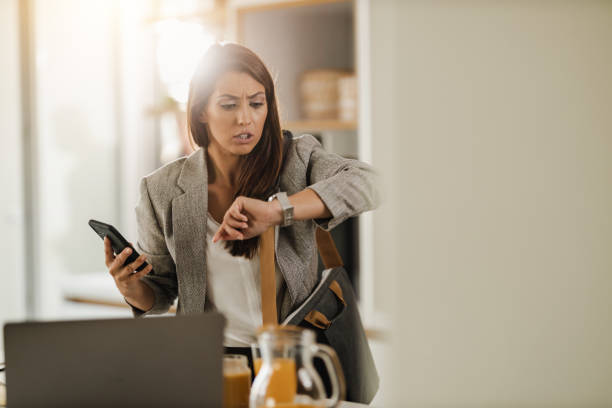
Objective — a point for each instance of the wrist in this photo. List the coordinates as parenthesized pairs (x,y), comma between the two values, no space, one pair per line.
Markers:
(140,296)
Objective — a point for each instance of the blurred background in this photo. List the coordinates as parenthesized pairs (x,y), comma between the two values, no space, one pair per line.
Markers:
(484,279)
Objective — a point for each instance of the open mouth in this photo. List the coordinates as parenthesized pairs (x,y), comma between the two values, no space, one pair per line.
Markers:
(244,137)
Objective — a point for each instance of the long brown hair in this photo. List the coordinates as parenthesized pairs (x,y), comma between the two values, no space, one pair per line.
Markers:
(259,170)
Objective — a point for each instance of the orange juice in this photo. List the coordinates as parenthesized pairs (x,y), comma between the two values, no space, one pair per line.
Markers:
(257,365)
(283,381)
(236,389)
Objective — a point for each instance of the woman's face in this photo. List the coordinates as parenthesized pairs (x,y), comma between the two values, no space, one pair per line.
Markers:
(236,113)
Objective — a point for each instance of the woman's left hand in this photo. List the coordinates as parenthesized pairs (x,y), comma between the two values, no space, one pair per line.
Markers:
(247,218)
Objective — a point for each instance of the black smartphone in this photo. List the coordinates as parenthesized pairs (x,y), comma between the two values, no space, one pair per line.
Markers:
(118,243)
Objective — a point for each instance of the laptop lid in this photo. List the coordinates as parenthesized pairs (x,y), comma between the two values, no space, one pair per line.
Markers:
(153,362)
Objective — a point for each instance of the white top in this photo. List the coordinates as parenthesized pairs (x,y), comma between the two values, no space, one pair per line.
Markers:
(234,288)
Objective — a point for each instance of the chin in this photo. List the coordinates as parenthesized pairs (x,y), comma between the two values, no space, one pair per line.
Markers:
(245,149)
(242,150)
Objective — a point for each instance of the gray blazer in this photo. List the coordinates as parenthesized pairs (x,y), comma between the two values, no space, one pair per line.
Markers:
(171,216)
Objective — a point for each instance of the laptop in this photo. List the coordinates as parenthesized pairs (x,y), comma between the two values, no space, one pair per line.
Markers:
(152,362)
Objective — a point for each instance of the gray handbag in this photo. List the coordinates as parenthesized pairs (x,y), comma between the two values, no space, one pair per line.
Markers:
(331,311)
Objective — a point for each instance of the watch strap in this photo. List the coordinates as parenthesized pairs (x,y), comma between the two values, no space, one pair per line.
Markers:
(286,207)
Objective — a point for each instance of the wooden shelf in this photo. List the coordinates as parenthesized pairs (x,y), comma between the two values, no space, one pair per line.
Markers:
(216,15)
(213,17)
(109,303)
(320,125)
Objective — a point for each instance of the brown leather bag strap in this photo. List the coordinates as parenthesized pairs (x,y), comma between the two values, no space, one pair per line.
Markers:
(327,248)
(334,286)
(317,319)
(329,254)
(268,279)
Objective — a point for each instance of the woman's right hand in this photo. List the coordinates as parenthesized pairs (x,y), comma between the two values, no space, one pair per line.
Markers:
(126,279)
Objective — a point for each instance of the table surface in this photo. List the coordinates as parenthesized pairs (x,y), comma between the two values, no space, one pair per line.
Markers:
(342,405)
(3,392)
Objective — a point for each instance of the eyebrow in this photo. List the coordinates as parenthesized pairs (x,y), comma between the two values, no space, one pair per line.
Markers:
(236,97)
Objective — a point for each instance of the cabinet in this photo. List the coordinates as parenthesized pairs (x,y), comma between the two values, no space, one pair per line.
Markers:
(294,37)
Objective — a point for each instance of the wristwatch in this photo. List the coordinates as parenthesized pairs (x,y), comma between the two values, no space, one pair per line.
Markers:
(286,207)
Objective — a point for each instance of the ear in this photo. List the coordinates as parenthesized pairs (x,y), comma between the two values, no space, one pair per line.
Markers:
(203,117)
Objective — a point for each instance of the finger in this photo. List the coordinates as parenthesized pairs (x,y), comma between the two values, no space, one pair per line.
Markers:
(236,212)
(108,252)
(218,235)
(237,224)
(130,268)
(145,271)
(232,233)
(227,233)
(121,258)
(239,217)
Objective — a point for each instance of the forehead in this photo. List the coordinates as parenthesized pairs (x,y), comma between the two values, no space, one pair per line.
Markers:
(237,84)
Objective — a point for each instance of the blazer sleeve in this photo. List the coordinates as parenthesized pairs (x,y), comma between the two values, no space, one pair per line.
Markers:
(151,242)
(347,187)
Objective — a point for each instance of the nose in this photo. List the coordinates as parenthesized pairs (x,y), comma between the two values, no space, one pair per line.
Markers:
(244,115)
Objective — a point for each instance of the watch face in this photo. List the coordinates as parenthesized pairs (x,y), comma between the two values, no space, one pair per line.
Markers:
(289,216)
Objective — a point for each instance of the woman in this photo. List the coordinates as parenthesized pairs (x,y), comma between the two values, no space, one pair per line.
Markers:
(200,217)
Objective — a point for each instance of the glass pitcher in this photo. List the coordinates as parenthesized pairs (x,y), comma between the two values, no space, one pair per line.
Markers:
(287,377)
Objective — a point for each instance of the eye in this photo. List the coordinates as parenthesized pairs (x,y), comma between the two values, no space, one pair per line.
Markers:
(257,104)
(228,106)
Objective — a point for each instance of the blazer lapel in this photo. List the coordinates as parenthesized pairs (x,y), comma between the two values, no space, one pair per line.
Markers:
(189,221)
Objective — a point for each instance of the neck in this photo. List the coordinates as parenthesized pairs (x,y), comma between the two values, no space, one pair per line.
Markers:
(222,167)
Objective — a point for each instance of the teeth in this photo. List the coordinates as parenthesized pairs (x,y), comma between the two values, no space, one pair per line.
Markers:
(244,136)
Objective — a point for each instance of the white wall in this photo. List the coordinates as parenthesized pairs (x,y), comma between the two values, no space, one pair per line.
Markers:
(77,136)
(137,94)
(93,81)
(12,277)
(492,123)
